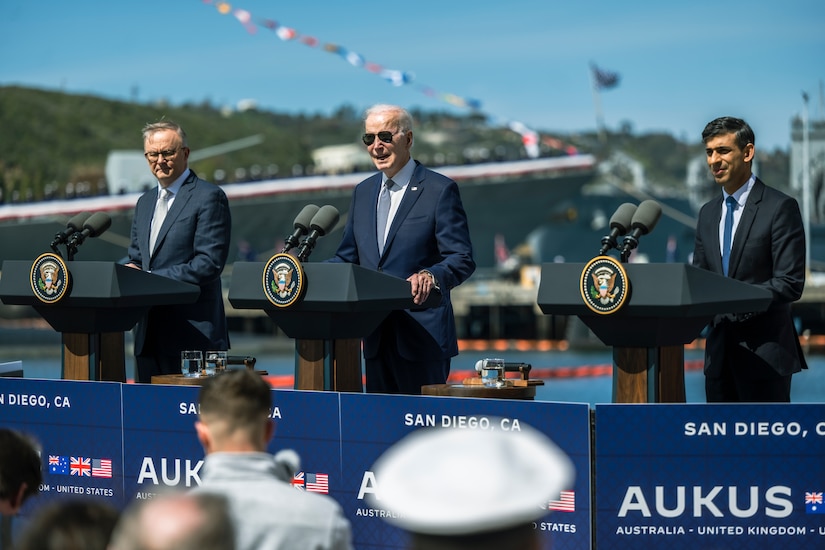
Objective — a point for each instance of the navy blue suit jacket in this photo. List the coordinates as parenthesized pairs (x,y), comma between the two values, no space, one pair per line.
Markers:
(192,246)
(769,252)
(430,232)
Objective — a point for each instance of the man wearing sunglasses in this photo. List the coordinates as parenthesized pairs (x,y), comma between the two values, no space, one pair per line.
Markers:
(181,230)
(407,221)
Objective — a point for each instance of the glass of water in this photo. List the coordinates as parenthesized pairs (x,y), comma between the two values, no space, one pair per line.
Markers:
(215,363)
(492,373)
(191,363)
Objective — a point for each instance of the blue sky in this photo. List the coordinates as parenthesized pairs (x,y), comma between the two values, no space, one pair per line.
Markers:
(681,64)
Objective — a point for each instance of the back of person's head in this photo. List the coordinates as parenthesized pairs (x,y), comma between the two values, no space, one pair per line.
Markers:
(70,524)
(730,125)
(176,521)
(235,405)
(20,470)
(470,488)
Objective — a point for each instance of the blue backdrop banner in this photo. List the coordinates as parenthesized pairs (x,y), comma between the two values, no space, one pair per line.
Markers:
(372,423)
(710,476)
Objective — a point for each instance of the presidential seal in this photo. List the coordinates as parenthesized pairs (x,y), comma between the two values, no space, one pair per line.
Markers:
(49,278)
(284,280)
(604,285)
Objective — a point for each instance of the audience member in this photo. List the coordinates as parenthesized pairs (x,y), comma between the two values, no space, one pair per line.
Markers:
(269,513)
(175,521)
(70,524)
(20,470)
(470,489)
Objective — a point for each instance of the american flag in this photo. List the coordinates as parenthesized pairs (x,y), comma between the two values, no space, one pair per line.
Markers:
(101,467)
(317,483)
(298,481)
(58,465)
(566,502)
(80,466)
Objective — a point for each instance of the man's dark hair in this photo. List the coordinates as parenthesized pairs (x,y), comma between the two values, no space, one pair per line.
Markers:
(19,464)
(70,524)
(241,399)
(728,125)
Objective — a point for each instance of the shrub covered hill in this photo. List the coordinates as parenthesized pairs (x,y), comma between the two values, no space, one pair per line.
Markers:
(49,139)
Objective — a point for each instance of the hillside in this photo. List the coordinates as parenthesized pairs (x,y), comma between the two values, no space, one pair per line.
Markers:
(50,139)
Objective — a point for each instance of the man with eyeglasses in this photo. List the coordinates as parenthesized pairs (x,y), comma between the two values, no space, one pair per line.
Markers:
(407,221)
(180,230)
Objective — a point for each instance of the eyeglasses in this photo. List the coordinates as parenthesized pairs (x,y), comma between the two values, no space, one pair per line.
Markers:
(384,136)
(155,155)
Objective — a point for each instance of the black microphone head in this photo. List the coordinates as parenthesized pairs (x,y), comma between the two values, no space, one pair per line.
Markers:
(325,219)
(623,217)
(77,221)
(646,216)
(97,223)
(304,218)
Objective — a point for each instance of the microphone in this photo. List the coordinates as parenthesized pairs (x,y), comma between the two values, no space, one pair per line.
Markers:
(72,226)
(97,223)
(619,224)
(287,463)
(301,225)
(321,223)
(644,220)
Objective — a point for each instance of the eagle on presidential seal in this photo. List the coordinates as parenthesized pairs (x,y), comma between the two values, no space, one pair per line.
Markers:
(282,284)
(604,285)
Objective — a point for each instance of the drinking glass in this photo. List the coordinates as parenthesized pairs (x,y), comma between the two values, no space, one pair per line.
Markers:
(191,363)
(492,373)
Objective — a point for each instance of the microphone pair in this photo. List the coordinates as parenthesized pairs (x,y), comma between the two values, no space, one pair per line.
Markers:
(631,222)
(80,227)
(313,222)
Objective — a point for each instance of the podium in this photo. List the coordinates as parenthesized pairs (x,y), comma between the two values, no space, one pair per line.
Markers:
(104,300)
(342,304)
(668,306)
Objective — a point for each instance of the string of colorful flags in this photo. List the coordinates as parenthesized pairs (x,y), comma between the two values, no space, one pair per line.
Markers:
(530,138)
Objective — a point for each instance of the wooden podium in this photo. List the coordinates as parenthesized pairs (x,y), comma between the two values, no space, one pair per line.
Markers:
(668,306)
(104,300)
(343,303)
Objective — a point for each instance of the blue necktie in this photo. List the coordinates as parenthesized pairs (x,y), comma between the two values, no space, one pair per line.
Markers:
(383,213)
(728,237)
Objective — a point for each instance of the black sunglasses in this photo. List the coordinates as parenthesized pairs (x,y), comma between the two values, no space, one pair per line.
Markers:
(385,136)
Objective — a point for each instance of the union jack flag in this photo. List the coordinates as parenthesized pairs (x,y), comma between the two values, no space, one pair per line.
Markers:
(298,481)
(80,466)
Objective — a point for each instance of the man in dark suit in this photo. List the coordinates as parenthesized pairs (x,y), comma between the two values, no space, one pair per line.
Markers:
(407,221)
(753,233)
(181,230)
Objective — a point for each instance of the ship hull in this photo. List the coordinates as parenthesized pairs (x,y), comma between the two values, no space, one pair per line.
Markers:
(508,199)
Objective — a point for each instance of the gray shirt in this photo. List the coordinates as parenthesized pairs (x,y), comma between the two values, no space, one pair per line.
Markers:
(269,513)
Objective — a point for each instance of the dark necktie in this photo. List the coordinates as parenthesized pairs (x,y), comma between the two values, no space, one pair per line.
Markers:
(383,213)
(161,208)
(728,236)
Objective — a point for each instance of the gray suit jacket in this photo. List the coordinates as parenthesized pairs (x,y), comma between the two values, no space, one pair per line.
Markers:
(192,246)
(769,252)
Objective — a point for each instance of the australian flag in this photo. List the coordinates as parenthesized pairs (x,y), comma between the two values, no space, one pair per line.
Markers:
(58,465)
(813,503)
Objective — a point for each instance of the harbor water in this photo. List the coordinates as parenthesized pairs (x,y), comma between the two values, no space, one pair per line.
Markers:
(569,376)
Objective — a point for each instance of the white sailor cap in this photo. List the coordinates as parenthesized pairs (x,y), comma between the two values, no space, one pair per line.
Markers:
(451,481)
